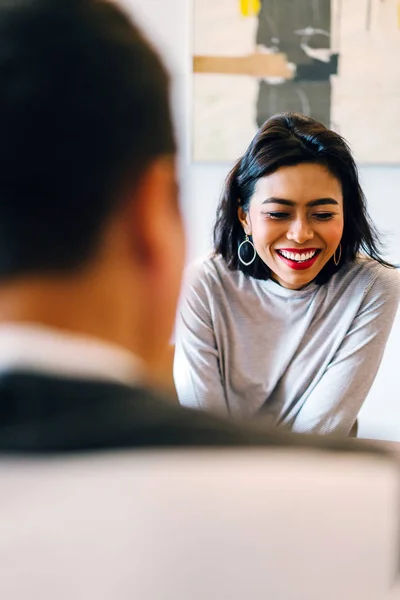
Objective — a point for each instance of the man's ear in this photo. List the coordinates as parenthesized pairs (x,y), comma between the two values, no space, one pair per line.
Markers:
(154,245)
(244,219)
(153,213)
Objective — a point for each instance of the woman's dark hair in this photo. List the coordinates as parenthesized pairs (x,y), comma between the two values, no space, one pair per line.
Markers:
(284,140)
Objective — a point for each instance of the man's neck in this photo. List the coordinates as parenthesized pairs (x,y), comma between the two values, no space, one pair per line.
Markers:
(94,307)
(88,306)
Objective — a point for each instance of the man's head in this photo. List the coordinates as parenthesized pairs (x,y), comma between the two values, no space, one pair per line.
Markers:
(87,175)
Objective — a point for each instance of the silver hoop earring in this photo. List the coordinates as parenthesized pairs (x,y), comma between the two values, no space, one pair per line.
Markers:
(337,261)
(247,241)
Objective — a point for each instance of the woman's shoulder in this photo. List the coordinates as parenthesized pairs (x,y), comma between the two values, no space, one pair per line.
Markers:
(206,281)
(366,274)
(209,270)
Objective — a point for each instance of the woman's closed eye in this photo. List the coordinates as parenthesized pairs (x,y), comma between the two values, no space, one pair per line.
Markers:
(277,215)
(324,216)
(280,216)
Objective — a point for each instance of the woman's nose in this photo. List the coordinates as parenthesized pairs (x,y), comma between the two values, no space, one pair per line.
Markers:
(300,231)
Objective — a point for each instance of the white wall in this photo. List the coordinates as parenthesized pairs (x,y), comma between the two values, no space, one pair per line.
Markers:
(168,24)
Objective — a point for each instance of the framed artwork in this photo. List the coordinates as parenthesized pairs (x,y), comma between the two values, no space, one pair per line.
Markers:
(335,60)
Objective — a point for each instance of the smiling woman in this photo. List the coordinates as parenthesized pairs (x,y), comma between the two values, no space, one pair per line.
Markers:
(289,318)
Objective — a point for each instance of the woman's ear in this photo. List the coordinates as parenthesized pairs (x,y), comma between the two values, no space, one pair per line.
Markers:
(244,219)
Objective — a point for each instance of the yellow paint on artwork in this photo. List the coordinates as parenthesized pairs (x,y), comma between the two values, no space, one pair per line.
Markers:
(250,8)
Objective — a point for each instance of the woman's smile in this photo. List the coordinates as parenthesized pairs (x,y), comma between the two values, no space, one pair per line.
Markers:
(298,259)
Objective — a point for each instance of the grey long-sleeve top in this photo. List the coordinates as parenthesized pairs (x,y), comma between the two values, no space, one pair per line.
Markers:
(305,359)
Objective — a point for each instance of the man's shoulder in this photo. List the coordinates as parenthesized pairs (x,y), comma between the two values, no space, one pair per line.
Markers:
(45,414)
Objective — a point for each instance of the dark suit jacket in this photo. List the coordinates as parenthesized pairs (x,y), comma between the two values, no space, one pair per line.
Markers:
(47,414)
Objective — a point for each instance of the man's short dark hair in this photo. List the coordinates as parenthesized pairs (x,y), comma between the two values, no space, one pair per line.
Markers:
(84,109)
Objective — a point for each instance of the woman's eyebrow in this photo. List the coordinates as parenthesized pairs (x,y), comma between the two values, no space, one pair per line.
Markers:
(285,202)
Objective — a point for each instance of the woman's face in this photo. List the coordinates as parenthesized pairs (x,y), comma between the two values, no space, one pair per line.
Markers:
(296,222)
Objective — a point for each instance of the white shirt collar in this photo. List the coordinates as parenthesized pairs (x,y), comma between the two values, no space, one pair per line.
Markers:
(30,347)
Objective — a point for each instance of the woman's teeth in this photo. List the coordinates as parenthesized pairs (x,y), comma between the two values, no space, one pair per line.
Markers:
(296,256)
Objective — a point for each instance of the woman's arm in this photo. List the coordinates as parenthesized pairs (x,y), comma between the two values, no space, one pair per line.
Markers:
(336,399)
(196,363)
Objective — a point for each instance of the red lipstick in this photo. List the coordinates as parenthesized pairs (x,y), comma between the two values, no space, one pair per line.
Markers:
(296,265)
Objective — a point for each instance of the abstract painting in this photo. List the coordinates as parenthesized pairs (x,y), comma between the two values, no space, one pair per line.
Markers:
(335,60)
